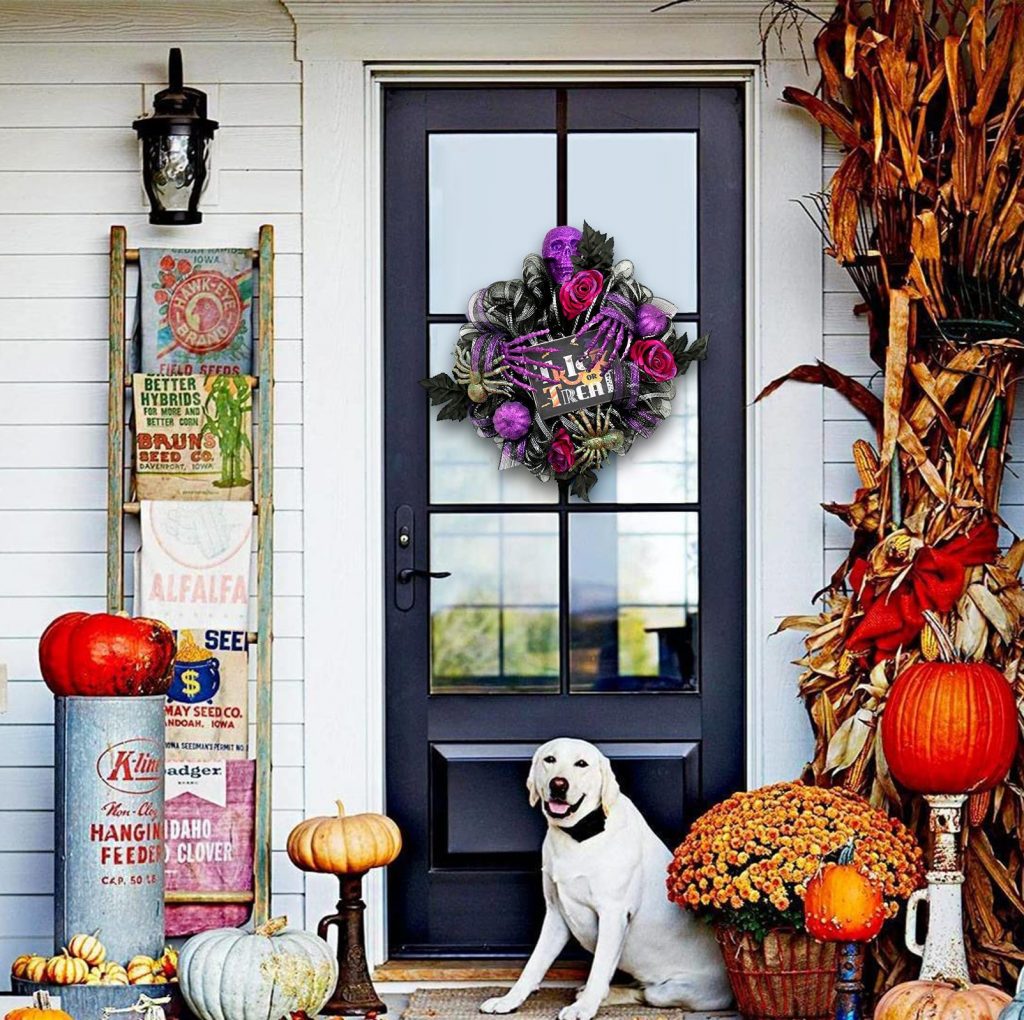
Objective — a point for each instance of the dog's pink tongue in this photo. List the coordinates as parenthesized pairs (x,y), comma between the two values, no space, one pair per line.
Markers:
(558,808)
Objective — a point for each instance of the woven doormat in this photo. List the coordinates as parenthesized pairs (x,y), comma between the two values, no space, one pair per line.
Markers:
(464,1004)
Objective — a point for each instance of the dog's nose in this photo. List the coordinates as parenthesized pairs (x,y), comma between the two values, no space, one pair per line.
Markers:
(559,786)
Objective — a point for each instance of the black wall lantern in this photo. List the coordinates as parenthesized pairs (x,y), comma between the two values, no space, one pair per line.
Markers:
(175,149)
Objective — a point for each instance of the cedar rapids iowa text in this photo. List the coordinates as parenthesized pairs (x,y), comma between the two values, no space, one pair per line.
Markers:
(182,393)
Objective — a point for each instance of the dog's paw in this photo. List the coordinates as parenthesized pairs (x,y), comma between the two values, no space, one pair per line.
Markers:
(500,1004)
(581,1009)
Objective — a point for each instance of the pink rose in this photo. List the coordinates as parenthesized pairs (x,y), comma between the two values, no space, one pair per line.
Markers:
(579,293)
(654,358)
(562,454)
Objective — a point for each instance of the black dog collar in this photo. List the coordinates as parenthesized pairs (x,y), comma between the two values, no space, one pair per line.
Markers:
(588,826)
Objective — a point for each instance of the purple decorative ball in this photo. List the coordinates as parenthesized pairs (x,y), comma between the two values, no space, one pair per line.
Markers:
(650,320)
(512,420)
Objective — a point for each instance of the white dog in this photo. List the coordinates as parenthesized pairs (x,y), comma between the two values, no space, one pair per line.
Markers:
(604,883)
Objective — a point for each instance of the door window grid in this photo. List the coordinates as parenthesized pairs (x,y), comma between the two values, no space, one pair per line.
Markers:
(532,495)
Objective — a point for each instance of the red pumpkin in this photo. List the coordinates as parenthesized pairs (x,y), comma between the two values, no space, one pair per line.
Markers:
(104,654)
(950,727)
(843,905)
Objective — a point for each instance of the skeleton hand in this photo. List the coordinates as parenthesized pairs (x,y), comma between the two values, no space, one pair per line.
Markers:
(611,329)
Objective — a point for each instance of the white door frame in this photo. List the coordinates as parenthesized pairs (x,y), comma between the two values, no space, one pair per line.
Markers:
(346,64)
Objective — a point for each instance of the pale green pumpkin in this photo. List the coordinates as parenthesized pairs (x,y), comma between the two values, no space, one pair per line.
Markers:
(1014,1009)
(231,974)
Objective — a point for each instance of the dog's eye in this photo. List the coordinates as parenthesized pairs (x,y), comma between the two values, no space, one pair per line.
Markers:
(550,759)
(581,764)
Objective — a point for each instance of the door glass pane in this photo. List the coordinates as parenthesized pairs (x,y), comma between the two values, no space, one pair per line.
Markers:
(494,622)
(463,465)
(663,467)
(641,188)
(492,197)
(633,602)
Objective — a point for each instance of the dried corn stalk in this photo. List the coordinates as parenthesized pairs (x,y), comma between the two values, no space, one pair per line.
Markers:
(926,212)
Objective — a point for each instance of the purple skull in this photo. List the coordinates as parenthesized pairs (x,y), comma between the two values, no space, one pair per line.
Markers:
(560,245)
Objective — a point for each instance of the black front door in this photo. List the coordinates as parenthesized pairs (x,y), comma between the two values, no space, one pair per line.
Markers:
(620,620)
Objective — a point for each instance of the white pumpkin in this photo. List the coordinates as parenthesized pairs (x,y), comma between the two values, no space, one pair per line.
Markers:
(231,974)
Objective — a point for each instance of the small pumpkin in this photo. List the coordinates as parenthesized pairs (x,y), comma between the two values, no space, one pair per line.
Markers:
(88,948)
(35,969)
(41,1009)
(66,970)
(1014,1010)
(344,845)
(842,904)
(169,962)
(270,972)
(950,727)
(140,970)
(19,968)
(941,1000)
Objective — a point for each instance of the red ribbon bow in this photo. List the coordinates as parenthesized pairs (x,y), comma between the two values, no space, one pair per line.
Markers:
(935,582)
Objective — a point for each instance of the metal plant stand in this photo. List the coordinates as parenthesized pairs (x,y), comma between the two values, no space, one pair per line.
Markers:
(354,994)
(943,956)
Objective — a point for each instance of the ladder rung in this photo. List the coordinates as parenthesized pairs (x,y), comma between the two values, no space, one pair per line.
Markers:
(135,508)
(132,254)
(183,896)
(255,382)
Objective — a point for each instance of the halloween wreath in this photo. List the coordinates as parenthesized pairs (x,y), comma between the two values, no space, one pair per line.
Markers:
(568,364)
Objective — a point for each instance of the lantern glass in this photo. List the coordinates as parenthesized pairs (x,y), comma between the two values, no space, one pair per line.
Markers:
(176,168)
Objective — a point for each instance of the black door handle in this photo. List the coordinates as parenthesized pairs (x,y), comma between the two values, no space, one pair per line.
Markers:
(406,575)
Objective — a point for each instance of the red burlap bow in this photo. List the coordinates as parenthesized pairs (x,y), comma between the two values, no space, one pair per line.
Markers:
(935,581)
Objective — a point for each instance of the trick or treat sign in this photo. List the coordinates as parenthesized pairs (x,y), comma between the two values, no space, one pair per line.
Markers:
(569,382)
(193,436)
(210,812)
(207,704)
(196,313)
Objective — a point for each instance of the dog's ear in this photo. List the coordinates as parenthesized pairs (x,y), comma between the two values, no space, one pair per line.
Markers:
(609,786)
(531,783)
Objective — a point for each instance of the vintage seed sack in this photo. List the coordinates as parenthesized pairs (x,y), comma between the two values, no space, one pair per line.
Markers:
(207,704)
(569,382)
(210,813)
(193,436)
(196,311)
(192,568)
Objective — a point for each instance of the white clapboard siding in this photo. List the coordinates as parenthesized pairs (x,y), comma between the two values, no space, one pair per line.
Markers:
(68,170)
(85,232)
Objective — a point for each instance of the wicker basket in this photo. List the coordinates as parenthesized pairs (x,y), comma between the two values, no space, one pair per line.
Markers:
(788,975)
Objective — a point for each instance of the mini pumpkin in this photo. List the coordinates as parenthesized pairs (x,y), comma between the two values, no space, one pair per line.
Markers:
(344,845)
(66,970)
(842,904)
(169,962)
(141,969)
(941,1000)
(19,968)
(41,1009)
(35,969)
(88,948)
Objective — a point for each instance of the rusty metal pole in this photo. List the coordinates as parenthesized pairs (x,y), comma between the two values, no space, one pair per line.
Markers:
(943,956)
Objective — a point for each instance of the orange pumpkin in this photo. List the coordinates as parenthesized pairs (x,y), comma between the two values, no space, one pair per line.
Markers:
(66,970)
(950,727)
(939,1000)
(41,1009)
(88,948)
(344,845)
(843,905)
